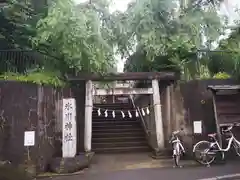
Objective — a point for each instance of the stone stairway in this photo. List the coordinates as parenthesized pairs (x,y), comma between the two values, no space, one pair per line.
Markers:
(117,135)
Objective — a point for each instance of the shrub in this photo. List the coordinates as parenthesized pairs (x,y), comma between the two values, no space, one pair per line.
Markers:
(222,75)
(41,78)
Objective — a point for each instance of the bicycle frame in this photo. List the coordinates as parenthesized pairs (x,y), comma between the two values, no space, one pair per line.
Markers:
(178,144)
(230,141)
(212,149)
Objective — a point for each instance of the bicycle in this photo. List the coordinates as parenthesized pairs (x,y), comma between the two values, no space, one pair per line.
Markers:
(178,149)
(212,148)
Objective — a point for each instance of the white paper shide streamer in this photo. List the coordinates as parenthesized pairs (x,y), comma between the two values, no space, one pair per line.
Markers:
(147,111)
(113,114)
(137,115)
(106,113)
(129,114)
(123,115)
(143,113)
(99,112)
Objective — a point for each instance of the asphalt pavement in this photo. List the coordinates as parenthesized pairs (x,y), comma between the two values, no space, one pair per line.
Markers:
(185,173)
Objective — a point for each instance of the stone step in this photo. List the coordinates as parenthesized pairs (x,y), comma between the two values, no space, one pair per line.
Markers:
(122,149)
(119,139)
(116,121)
(121,130)
(118,144)
(117,135)
(107,134)
(117,126)
(117,118)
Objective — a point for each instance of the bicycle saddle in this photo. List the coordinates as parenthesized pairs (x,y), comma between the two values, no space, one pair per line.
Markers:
(212,135)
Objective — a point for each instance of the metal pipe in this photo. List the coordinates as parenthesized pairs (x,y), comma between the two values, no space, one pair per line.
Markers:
(141,117)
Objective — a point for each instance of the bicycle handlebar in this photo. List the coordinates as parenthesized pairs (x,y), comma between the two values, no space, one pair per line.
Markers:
(236,124)
(177,131)
(229,127)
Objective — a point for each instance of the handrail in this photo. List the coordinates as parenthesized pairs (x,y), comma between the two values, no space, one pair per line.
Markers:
(141,117)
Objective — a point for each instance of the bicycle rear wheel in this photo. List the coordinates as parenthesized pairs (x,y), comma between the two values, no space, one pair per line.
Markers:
(203,153)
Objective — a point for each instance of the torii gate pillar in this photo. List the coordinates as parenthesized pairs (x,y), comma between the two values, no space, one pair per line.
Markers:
(158,114)
(88,116)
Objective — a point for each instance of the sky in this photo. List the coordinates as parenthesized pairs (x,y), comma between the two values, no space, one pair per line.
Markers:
(120,5)
(228,8)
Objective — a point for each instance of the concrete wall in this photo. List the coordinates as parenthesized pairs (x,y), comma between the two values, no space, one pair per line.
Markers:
(175,117)
(180,117)
(182,104)
(146,100)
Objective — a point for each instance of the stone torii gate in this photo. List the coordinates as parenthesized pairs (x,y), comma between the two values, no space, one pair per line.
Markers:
(155,77)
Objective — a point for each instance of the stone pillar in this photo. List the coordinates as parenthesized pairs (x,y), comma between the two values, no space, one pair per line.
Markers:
(88,116)
(158,114)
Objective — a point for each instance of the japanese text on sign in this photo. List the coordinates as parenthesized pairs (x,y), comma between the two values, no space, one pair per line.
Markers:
(69,128)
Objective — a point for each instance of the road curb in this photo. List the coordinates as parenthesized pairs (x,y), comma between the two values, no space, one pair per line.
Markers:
(225,177)
(53,175)
(157,164)
(167,163)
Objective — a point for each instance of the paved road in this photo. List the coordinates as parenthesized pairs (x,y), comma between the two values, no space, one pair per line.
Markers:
(193,173)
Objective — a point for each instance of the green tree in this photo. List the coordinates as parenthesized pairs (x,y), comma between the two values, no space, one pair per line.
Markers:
(18,21)
(169,35)
(82,37)
(67,38)
(227,55)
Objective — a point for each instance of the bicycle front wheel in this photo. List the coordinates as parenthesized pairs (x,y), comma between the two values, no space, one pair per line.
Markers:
(203,153)
(176,154)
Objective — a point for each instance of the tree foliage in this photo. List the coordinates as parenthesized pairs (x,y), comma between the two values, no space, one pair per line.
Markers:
(14,30)
(170,32)
(163,35)
(18,22)
(80,36)
(73,38)
(227,55)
